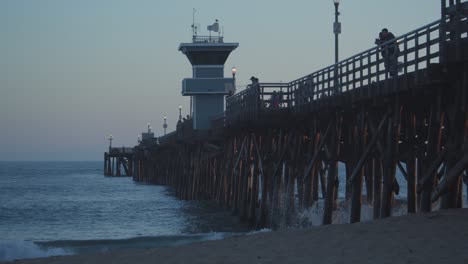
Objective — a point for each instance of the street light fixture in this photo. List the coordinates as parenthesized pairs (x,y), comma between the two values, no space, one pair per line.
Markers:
(165,125)
(336,31)
(336,28)
(180,113)
(110,138)
(233,89)
(234,71)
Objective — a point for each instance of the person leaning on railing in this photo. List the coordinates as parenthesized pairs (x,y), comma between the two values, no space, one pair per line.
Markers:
(389,51)
(276,99)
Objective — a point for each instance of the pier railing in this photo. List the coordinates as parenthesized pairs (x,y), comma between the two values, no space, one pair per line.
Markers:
(168,138)
(415,51)
(121,150)
(243,106)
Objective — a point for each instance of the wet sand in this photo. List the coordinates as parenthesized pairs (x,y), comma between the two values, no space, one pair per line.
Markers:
(439,237)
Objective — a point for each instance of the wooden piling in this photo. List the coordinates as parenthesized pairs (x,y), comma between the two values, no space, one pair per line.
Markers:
(360,135)
(332,178)
(411,164)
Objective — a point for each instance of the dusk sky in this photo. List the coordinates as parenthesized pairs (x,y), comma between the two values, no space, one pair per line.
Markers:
(72,72)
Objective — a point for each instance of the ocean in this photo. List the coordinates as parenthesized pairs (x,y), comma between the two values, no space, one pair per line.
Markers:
(62,208)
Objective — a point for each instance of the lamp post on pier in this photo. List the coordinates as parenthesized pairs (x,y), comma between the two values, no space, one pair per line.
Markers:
(233,91)
(336,31)
(110,138)
(336,28)
(180,113)
(234,71)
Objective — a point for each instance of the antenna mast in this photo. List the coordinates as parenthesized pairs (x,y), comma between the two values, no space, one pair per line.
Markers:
(194,28)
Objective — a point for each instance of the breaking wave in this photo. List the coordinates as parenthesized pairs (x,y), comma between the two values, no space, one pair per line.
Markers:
(12,250)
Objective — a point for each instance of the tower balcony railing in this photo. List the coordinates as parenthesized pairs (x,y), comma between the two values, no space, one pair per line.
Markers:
(207,39)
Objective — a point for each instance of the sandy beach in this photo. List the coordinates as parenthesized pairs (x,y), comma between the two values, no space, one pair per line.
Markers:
(439,237)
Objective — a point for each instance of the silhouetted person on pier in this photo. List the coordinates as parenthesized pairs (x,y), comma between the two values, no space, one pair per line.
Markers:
(310,89)
(280,98)
(254,80)
(274,100)
(389,51)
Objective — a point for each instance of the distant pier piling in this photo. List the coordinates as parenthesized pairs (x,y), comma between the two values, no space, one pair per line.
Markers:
(117,159)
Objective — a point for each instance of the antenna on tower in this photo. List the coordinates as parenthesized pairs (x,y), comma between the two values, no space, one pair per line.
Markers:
(194,27)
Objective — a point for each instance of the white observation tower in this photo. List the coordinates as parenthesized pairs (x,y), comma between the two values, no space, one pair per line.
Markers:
(208,87)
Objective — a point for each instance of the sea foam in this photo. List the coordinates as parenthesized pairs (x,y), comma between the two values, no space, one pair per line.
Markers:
(11,250)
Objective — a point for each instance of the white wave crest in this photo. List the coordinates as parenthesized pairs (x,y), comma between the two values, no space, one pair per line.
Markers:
(263,230)
(12,250)
(216,236)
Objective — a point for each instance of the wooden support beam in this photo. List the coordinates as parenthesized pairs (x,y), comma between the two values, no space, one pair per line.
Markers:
(105,163)
(254,191)
(465,180)
(240,153)
(390,160)
(348,171)
(125,166)
(411,164)
(131,165)
(309,182)
(332,181)
(457,137)
(450,177)
(318,150)
(369,177)
(112,166)
(323,182)
(377,187)
(402,170)
(244,179)
(433,168)
(368,150)
(109,165)
(259,157)
(265,180)
(279,162)
(434,134)
(360,141)
(387,188)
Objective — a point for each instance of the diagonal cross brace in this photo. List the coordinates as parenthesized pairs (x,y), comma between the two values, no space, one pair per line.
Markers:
(368,150)
(317,151)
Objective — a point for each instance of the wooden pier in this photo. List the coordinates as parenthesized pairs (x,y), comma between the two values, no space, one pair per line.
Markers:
(265,161)
(116,159)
